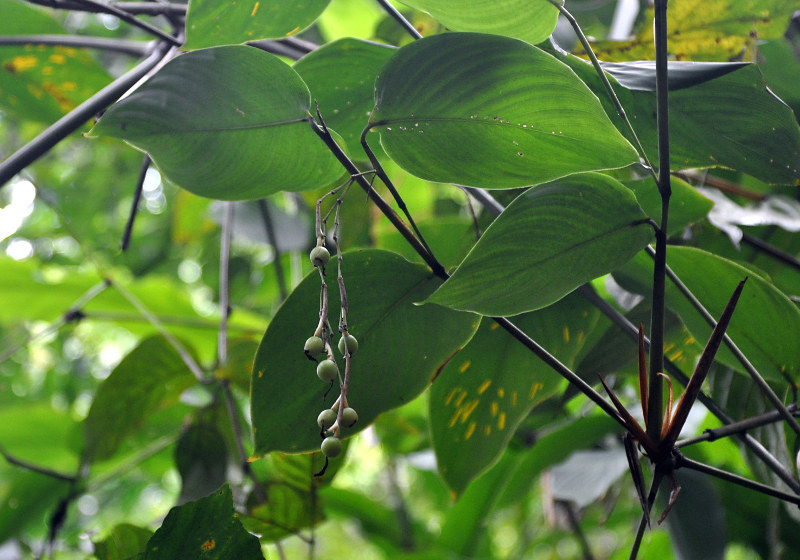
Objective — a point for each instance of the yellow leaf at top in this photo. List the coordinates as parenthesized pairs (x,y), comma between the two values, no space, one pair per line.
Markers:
(710,30)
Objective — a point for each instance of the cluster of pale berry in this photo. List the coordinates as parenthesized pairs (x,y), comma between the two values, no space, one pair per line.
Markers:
(318,348)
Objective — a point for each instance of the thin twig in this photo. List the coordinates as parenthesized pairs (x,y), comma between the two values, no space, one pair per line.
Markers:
(272,239)
(137,8)
(185,355)
(399,18)
(771,250)
(738,354)
(644,520)
(224,283)
(586,550)
(736,428)
(124,46)
(238,437)
(35,468)
(127,17)
(78,117)
(137,196)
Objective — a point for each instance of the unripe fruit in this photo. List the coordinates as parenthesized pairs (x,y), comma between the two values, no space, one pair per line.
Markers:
(319,256)
(327,370)
(314,346)
(349,417)
(326,418)
(331,446)
(352,344)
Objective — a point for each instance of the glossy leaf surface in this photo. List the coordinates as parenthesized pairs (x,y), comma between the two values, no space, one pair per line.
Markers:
(531,21)
(382,289)
(212,22)
(225,123)
(477,401)
(447,104)
(207,528)
(765,318)
(547,242)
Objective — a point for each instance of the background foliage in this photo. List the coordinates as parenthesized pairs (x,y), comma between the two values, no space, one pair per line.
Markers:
(138,422)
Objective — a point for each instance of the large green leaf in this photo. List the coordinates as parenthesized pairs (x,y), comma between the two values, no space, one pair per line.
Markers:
(341,77)
(227,122)
(531,21)
(686,205)
(42,82)
(401,345)
(150,378)
(213,22)
(758,134)
(478,400)
(549,241)
(208,528)
(123,542)
(490,111)
(764,326)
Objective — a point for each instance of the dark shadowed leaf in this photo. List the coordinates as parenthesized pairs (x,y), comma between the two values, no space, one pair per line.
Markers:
(531,21)
(477,401)
(147,380)
(401,345)
(201,458)
(207,528)
(124,542)
(445,105)
(213,22)
(225,123)
(547,242)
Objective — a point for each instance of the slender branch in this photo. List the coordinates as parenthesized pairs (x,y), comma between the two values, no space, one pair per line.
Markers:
(644,520)
(137,197)
(127,17)
(736,428)
(752,443)
(736,479)
(587,47)
(76,118)
(772,251)
(706,180)
(124,46)
(399,18)
(575,525)
(128,465)
(738,354)
(138,8)
(35,468)
(272,239)
(187,358)
(224,283)
(238,436)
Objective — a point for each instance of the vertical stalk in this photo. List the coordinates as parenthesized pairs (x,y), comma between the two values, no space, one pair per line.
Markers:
(655,400)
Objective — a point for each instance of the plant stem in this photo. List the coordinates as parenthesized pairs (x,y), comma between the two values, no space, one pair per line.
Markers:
(738,354)
(124,46)
(655,403)
(76,118)
(224,283)
(736,428)
(141,8)
(127,17)
(772,251)
(643,521)
(399,18)
(35,468)
(137,196)
(272,239)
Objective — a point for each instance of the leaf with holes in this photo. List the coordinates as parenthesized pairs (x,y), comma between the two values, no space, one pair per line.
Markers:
(531,21)
(448,104)
(211,22)
(226,123)
(477,401)
(401,346)
(547,242)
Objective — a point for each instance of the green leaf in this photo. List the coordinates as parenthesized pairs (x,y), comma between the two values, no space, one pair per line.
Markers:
(228,123)
(401,345)
(448,104)
(477,401)
(39,82)
(759,134)
(210,22)
(686,205)
(341,77)
(150,378)
(547,242)
(531,21)
(207,528)
(21,428)
(25,500)
(123,543)
(201,458)
(763,326)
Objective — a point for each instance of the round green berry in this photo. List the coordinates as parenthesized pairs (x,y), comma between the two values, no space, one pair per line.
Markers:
(349,417)
(319,256)
(331,446)
(326,418)
(352,344)
(327,370)
(314,346)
